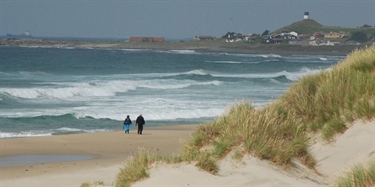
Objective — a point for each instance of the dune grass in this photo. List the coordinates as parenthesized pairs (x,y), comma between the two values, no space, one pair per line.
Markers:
(137,166)
(319,104)
(96,183)
(270,133)
(362,174)
(325,102)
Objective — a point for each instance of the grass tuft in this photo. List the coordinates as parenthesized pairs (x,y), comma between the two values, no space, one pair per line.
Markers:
(85,184)
(96,183)
(362,174)
(207,163)
(135,169)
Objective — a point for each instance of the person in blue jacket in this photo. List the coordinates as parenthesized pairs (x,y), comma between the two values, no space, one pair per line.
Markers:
(127,124)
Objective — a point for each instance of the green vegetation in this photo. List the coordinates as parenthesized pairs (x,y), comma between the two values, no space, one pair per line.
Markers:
(359,36)
(310,26)
(228,35)
(307,26)
(266,32)
(137,166)
(97,183)
(324,102)
(320,104)
(358,175)
(86,184)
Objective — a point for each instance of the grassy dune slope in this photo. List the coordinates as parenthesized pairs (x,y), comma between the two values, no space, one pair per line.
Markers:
(320,104)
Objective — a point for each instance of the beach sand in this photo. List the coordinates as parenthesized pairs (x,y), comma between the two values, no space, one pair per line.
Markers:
(110,149)
(108,152)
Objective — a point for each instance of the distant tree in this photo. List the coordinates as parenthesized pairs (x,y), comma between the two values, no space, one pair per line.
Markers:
(266,32)
(228,35)
(359,36)
(366,26)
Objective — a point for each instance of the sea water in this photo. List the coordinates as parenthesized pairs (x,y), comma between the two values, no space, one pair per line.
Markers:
(52,91)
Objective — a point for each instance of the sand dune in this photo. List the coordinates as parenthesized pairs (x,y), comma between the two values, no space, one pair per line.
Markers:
(356,144)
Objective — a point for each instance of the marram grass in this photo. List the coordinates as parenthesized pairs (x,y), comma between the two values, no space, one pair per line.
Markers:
(135,169)
(280,131)
(362,175)
(137,166)
(96,183)
(325,102)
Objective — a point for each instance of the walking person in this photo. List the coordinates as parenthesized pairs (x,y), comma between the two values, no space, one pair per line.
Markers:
(140,122)
(127,123)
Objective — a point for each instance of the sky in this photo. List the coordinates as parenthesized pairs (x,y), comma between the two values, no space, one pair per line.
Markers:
(174,19)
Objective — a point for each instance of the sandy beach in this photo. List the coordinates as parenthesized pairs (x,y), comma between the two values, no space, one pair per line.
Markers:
(107,151)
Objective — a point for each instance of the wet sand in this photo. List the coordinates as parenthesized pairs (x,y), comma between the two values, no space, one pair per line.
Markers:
(80,153)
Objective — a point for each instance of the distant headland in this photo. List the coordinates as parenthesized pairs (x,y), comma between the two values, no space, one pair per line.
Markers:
(305,37)
(215,46)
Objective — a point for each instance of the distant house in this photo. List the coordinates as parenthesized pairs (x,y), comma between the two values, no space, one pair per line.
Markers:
(202,38)
(235,37)
(318,34)
(333,35)
(273,39)
(293,33)
(313,41)
(234,40)
(250,37)
(146,39)
(276,40)
(304,36)
(290,37)
(285,33)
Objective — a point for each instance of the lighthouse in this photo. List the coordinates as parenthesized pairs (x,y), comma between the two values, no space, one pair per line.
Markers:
(306,15)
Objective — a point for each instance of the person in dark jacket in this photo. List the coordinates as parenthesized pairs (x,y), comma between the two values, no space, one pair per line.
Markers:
(127,123)
(140,122)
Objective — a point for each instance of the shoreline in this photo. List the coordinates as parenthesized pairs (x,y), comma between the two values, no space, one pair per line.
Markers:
(105,149)
(217,46)
(14,135)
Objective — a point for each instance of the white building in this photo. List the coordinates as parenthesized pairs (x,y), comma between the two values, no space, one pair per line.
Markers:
(306,15)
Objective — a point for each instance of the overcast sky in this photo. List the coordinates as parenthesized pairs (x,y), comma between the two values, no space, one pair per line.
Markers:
(175,19)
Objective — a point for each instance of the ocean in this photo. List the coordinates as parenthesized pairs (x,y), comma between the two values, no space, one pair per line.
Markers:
(54,91)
